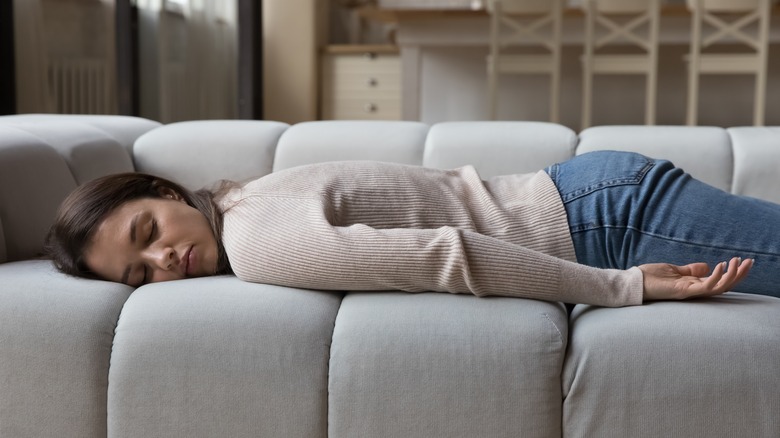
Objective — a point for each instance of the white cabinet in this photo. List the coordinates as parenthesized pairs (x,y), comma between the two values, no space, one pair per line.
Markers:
(361,82)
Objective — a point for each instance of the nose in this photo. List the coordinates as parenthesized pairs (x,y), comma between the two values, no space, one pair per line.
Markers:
(161,257)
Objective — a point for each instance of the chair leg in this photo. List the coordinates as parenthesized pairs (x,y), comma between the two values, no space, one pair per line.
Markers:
(652,74)
(651,97)
(760,99)
(492,91)
(555,96)
(555,76)
(761,74)
(693,66)
(587,64)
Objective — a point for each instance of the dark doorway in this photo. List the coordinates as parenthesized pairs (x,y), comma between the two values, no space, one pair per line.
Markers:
(7,62)
(250,59)
(127,58)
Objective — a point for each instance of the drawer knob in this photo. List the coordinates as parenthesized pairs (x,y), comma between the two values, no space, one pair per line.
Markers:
(370,108)
(372,82)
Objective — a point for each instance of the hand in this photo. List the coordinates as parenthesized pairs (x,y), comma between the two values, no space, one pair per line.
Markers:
(663,281)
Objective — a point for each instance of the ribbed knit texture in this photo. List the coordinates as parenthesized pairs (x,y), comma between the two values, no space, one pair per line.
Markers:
(381,226)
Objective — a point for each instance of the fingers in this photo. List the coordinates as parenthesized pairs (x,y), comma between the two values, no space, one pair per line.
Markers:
(696,270)
(709,284)
(726,275)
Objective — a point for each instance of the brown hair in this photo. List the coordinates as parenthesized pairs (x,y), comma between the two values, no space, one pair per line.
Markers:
(86,207)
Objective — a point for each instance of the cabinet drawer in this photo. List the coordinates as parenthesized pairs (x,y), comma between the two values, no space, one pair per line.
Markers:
(356,109)
(360,83)
(357,93)
(351,82)
(361,64)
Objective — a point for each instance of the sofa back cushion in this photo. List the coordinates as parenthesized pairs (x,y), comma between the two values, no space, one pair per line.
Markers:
(316,142)
(704,152)
(199,154)
(34,179)
(498,148)
(756,162)
(124,130)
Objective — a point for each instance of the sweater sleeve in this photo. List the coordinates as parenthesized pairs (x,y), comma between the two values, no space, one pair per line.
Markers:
(300,252)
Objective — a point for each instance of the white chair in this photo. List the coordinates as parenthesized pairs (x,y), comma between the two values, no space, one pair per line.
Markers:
(525,23)
(621,21)
(730,21)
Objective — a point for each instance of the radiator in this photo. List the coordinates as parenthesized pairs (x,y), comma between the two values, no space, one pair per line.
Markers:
(80,86)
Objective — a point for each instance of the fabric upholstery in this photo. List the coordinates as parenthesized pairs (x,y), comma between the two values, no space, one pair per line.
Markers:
(55,344)
(702,368)
(756,158)
(123,129)
(315,142)
(439,365)
(28,200)
(199,154)
(218,357)
(704,152)
(88,151)
(498,148)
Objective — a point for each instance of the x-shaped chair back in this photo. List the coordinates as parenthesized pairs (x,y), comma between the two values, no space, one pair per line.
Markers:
(627,32)
(525,23)
(729,21)
(723,29)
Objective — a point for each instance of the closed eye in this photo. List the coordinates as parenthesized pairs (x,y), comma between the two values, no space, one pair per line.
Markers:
(152,232)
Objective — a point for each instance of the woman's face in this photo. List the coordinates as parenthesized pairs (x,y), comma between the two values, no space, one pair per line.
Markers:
(152,239)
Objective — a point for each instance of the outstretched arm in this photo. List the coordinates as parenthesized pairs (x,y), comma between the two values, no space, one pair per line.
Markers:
(663,281)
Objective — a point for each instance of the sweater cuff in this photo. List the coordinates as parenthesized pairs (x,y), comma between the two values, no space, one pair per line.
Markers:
(602,287)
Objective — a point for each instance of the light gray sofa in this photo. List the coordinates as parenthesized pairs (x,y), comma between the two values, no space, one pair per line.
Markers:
(217,357)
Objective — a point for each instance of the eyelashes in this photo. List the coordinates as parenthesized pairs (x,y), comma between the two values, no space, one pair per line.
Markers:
(152,232)
(152,235)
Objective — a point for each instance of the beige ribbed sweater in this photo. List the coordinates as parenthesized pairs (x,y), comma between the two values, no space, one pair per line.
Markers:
(380,226)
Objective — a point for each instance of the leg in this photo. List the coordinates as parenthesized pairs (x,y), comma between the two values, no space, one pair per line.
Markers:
(625,210)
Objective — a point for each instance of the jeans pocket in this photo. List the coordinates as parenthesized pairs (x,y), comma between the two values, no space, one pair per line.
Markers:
(594,171)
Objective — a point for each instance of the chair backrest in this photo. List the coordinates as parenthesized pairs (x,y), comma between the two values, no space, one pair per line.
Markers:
(521,6)
(734,29)
(724,5)
(620,6)
(600,15)
(525,21)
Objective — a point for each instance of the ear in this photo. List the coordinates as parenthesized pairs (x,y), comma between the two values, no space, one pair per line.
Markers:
(169,193)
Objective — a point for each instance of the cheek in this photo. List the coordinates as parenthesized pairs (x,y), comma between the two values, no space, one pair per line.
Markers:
(160,276)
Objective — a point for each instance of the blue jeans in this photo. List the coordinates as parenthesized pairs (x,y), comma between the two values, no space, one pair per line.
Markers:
(625,209)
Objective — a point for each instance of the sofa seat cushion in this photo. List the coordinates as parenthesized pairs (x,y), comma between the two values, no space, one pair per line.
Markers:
(699,368)
(218,357)
(433,364)
(55,345)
